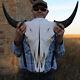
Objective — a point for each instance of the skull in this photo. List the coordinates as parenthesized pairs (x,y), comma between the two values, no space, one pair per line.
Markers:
(39,36)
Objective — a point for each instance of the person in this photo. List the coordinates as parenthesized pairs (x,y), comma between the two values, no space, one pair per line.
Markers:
(39,10)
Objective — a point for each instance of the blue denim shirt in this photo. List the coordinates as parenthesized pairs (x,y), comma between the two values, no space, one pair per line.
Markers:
(29,59)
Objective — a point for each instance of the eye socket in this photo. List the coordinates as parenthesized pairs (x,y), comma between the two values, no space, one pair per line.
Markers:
(48,29)
(30,29)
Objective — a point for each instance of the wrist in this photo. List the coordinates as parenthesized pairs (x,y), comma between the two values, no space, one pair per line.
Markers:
(17,43)
(61,42)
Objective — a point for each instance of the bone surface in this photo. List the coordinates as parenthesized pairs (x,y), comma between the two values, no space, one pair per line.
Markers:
(39,35)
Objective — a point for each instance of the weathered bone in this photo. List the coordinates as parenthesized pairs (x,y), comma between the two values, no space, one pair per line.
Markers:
(39,36)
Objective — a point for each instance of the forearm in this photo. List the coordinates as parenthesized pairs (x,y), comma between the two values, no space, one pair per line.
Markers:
(18,40)
(19,34)
(17,51)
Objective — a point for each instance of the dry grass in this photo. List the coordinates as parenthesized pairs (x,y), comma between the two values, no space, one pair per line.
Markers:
(72,36)
(69,65)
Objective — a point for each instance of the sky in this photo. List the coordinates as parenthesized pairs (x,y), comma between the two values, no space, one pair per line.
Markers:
(60,10)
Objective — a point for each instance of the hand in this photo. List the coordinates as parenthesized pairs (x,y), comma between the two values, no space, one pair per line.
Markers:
(20,29)
(60,32)
(19,33)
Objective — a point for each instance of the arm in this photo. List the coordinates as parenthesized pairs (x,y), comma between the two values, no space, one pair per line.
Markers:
(59,37)
(20,30)
(18,41)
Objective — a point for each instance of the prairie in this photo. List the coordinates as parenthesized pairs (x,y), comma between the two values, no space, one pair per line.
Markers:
(69,65)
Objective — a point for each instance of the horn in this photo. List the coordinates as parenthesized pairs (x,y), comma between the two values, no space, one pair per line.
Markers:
(10,20)
(68,21)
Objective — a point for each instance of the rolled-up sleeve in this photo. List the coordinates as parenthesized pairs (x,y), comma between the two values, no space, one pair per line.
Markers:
(15,50)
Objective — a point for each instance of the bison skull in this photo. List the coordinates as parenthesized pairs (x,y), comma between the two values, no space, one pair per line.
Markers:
(39,35)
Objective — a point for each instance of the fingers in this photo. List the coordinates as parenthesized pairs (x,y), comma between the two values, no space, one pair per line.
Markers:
(59,30)
(60,25)
(21,29)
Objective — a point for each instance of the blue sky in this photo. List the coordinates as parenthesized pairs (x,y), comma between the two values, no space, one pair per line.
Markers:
(61,10)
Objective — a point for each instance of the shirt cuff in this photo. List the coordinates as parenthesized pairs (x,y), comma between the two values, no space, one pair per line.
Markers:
(61,49)
(15,50)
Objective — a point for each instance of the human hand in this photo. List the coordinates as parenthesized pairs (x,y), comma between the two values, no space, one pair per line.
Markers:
(20,29)
(59,32)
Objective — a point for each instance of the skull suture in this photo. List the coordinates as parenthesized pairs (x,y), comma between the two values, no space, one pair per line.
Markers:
(39,35)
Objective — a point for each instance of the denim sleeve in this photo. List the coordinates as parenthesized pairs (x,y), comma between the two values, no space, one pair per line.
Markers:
(60,49)
(15,50)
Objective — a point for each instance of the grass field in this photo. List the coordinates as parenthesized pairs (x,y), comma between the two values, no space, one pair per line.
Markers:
(69,64)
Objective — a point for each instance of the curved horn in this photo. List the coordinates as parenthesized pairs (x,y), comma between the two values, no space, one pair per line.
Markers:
(10,20)
(68,21)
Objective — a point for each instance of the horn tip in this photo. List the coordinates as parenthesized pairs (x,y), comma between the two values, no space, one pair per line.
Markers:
(77,2)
